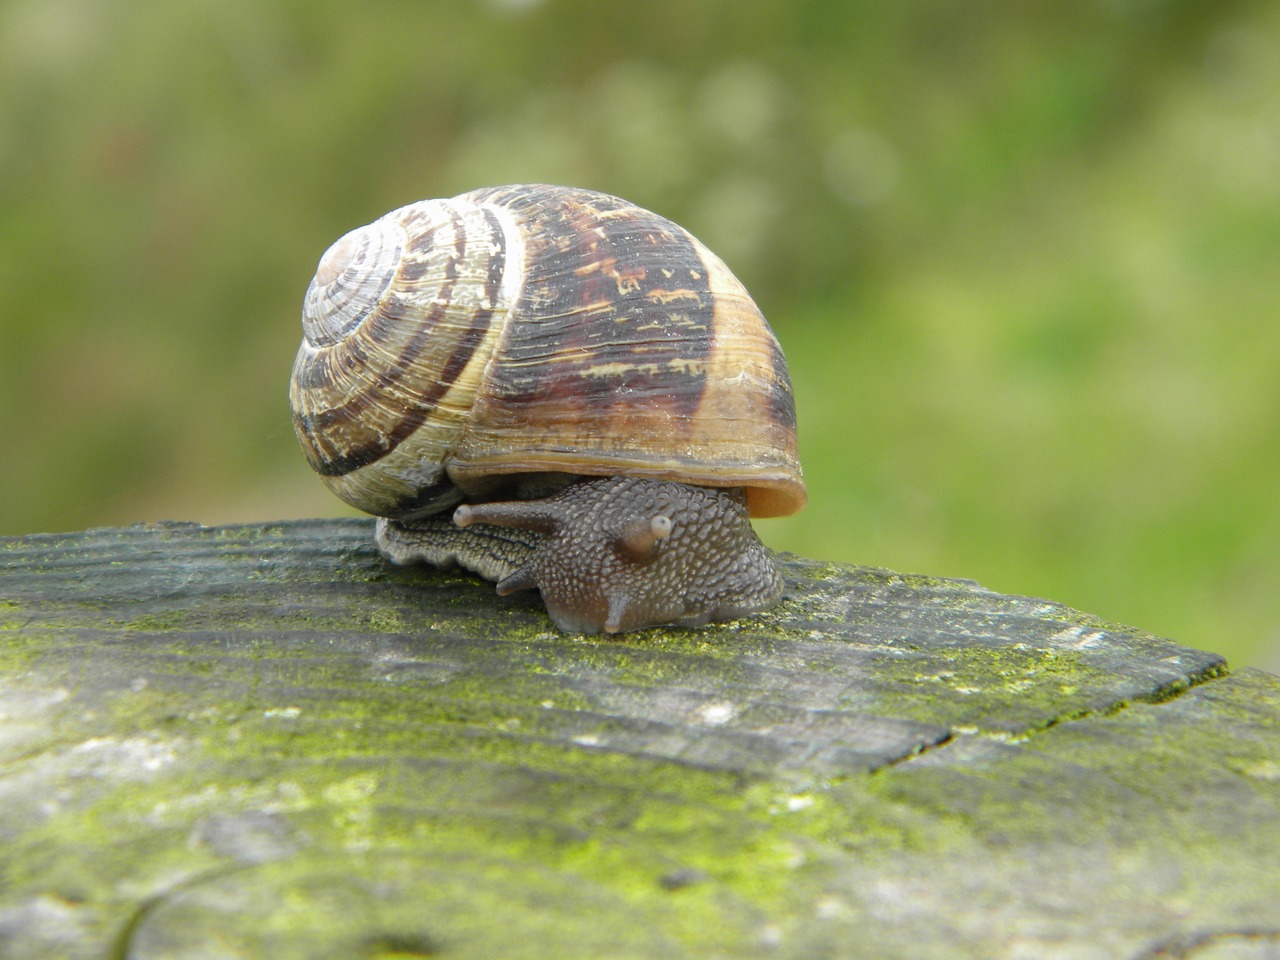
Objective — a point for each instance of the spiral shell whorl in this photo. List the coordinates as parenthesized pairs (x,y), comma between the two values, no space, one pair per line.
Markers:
(350,281)
(399,322)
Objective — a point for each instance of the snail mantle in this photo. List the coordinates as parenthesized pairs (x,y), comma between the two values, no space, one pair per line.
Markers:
(258,737)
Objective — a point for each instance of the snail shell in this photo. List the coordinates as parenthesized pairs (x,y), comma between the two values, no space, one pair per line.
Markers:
(454,345)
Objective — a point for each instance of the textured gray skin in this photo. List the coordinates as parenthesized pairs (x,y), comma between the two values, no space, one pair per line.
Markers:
(590,553)
(492,552)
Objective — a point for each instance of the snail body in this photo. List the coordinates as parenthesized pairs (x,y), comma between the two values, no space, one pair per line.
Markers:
(515,342)
(612,554)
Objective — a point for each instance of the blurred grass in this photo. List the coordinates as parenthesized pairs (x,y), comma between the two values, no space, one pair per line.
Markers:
(1021,257)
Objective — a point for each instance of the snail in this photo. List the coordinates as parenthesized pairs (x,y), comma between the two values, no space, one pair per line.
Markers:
(581,384)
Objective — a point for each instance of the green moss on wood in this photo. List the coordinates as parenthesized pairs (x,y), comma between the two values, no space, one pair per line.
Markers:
(264,730)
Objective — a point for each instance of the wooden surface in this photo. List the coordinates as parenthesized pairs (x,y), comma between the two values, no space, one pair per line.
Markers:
(262,741)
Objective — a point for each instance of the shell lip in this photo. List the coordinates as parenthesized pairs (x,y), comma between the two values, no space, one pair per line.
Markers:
(777,492)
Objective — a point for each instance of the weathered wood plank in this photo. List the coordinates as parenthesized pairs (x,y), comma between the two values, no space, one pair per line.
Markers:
(263,741)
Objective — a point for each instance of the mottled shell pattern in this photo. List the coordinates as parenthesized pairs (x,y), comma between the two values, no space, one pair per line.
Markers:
(533,329)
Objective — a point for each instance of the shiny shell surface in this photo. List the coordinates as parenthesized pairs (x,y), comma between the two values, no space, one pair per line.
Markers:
(532,329)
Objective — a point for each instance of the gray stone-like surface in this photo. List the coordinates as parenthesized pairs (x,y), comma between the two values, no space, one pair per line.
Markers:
(264,741)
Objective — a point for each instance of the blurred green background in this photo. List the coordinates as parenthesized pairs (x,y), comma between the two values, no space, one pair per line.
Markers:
(1022,257)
